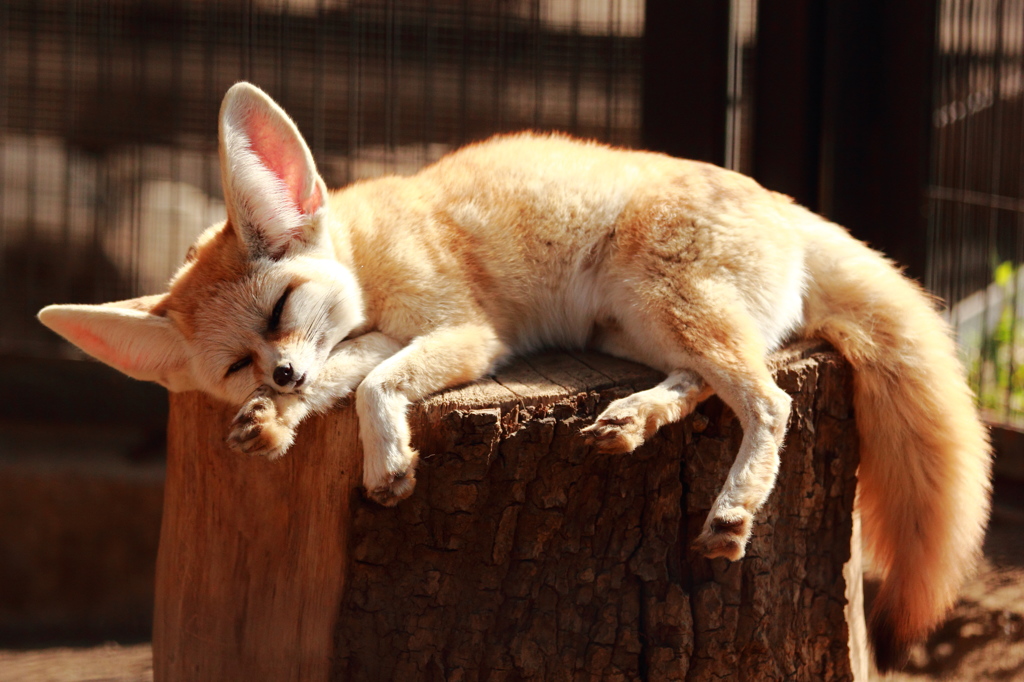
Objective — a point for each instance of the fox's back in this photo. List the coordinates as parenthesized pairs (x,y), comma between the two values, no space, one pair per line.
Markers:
(556,192)
(538,226)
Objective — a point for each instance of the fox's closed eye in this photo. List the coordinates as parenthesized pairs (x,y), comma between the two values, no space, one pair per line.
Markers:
(275,316)
(241,364)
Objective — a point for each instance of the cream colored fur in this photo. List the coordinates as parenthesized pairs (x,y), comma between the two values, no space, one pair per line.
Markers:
(400,287)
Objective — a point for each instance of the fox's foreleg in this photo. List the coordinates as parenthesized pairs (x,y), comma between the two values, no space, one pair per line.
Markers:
(445,357)
(265,424)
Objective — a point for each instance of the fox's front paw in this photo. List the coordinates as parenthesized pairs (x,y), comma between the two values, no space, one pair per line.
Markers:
(619,429)
(725,535)
(398,487)
(389,480)
(257,429)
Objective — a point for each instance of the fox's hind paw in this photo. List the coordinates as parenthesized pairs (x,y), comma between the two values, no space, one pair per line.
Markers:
(618,430)
(725,535)
(398,487)
(257,429)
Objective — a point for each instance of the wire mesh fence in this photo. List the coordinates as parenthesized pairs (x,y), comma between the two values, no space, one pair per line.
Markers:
(976,198)
(108,112)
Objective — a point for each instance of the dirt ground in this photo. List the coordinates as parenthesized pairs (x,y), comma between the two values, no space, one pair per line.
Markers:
(107,663)
(982,640)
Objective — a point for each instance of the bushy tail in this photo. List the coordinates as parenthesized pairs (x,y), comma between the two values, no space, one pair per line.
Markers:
(925,461)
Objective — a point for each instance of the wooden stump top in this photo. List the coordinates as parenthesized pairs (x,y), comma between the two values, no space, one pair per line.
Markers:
(522,555)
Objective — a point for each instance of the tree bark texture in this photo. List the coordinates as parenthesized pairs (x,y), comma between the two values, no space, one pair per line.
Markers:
(523,554)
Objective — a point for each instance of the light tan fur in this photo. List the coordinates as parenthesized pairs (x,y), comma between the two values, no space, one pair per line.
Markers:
(402,286)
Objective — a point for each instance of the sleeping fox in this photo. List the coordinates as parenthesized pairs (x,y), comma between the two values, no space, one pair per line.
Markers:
(402,286)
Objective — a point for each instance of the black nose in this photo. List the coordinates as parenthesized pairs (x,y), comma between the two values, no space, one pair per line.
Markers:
(283,375)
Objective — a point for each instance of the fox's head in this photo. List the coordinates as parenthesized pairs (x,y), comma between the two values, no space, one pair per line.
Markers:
(262,297)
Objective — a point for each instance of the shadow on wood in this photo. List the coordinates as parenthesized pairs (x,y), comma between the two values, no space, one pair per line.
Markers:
(522,555)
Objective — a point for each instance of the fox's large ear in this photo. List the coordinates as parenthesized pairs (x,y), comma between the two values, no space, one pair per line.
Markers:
(271,185)
(128,337)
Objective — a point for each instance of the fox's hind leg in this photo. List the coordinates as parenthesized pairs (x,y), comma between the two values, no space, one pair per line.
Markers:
(763,409)
(706,342)
(629,421)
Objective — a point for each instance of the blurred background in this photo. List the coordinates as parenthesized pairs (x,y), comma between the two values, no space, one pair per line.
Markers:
(904,121)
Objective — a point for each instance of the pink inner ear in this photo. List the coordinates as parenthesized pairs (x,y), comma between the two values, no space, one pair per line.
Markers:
(89,342)
(98,347)
(285,158)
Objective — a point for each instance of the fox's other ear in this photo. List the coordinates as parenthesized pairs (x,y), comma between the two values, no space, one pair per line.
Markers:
(126,336)
(271,185)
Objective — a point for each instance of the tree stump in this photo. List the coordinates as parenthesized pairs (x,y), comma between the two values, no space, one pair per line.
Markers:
(522,555)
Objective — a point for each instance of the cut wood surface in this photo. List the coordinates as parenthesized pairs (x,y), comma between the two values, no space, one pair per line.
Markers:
(522,554)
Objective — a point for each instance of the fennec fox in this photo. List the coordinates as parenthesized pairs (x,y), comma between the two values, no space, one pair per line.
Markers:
(399,287)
